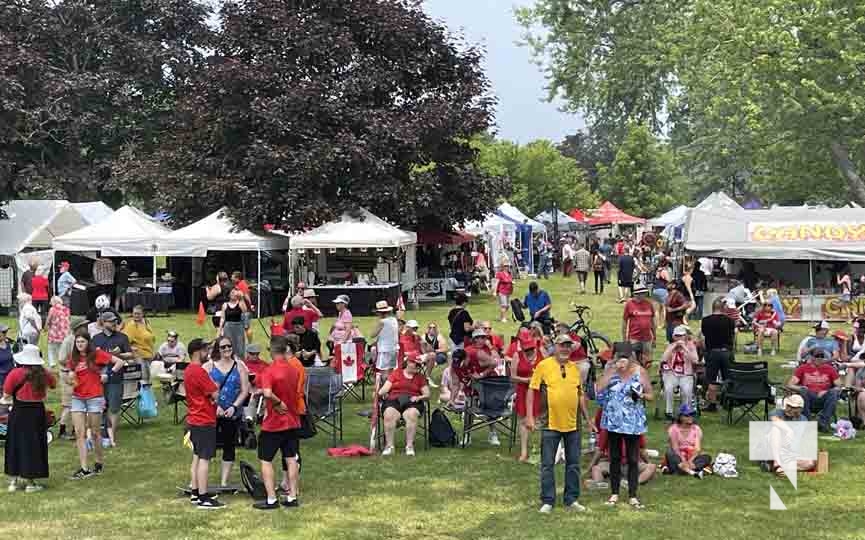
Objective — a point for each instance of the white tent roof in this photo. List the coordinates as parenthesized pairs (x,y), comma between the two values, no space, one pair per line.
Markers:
(214,233)
(364,231)
(511,211)
(491,223)
(675,217)
(719,200)
(562,218)
(128,232)
(93,212)
(34,224)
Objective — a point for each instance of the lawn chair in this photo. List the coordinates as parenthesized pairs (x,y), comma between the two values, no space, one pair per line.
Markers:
(422,426)
(356,388)
(746,387)
(324,396)
(490,405)
(132,376)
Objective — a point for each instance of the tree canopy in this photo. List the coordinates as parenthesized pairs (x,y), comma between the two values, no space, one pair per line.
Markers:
(539,175)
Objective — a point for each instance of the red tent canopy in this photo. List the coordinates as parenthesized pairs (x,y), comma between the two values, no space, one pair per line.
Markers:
(443,238)
(578,215)
(608,214)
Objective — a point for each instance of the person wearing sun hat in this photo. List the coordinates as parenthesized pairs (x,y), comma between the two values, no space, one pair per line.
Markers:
(26,447)
(6,359)
(310,305)
(342,328)
(386,339)
(684,456)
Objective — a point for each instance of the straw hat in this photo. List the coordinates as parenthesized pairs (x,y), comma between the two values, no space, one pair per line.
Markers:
(382,307)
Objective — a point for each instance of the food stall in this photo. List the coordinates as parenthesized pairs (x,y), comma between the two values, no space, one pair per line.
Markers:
(359,255)
(798,251)
(444,264)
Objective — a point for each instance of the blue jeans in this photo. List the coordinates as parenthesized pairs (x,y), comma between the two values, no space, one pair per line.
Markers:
(698,307)
(829,401)
(549,444)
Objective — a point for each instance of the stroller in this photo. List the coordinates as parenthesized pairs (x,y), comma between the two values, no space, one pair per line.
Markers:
(4,423)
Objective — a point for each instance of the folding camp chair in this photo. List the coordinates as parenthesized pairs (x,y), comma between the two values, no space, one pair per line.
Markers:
(356,388)
(178,394)
(659,400)
(746,387)
(422,425)
(132,375)
(324,395)
(490,405)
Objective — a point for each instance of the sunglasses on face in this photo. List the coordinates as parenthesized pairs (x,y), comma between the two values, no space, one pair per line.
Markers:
(225,347)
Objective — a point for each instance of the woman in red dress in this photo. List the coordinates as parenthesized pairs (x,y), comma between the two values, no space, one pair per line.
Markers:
(523,356)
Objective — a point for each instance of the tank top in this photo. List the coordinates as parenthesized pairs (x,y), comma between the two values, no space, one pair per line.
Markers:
(389,336)
(855,344)
(230,383)
(434,342)
(660,283)
(233,314)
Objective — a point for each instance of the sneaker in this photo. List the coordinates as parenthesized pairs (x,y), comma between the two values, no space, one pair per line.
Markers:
(13,486)
(33,488)
(699,475)
(387,451)
(494,439)
(264,505)
(193,499)
(81,474)
(759,352)
(209,504)
(409,450)
(98,468)
(773,352)
(546,509)
(290,503)
(577,507)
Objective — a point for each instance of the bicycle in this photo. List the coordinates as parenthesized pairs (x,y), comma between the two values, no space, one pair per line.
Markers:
(581,328)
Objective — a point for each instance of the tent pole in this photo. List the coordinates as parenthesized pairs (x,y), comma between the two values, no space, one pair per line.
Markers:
(53,273)
(258,289)
(811,281)
(154,274)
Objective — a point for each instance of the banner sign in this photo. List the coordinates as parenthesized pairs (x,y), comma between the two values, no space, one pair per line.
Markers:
(431,290)
(806,232)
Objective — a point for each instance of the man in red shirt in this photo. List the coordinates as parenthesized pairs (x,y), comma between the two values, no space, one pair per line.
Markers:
(282,388)
(495,341)
(819,384)
(298,311)
(201,396)
(675,308)
(766,325)
(638,324)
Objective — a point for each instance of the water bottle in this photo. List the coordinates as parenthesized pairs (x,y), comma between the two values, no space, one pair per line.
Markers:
(593,440)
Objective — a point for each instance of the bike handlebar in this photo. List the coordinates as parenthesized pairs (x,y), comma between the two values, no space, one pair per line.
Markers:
(579,309)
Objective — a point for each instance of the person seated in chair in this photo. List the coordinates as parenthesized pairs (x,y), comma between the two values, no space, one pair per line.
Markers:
(435,350)
(539,304)
(780,440)
(169,353)
(310,344)
(686,444)
(767,324)
(452,394)
(404,394)
(819,385)
(600,465)
(821,340)
(677,368)
(481,362)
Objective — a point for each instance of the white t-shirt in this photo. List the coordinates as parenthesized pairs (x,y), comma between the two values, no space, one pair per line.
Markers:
(567,252)
(172,354)
(388,338)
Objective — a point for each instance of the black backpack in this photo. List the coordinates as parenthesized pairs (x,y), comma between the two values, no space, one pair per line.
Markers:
(252,482)
(517,310)
(441,432)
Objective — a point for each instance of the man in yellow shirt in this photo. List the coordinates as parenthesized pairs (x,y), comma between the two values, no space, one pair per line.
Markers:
(141,339)
(567,409)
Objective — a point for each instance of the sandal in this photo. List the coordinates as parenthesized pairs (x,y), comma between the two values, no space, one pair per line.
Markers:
(779,472)
(612,501)
(636,504)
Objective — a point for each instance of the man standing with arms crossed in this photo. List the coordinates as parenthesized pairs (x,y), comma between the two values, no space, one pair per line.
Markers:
(282,387)
(201,396)
(567,408)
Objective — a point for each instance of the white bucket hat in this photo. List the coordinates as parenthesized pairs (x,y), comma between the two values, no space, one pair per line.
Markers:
(29,356)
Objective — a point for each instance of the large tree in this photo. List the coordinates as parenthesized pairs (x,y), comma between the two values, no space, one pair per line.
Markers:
(644,179)
(310,109)
(767,91)
(79,81)
(540,175)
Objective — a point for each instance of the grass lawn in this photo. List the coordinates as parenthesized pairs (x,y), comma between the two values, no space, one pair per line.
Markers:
(477,493)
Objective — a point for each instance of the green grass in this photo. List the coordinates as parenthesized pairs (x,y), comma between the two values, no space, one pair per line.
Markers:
(477,493)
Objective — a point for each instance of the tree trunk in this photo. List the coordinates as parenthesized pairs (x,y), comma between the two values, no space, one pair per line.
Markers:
(841,156)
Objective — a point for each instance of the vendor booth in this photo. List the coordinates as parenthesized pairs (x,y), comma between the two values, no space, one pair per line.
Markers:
(128,232)
(500,235)
(444,264)
(216,233)
(607,220)
(561,219)
(797,251)
(359,255)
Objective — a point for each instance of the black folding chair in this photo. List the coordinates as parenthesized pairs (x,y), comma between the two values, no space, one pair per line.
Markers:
(324,395)
(422,424)
(746,387)
(132,375)
(490,406)
(177,392)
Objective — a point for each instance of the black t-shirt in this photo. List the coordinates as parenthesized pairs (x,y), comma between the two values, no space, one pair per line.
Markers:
(700,283)
(309,341)
(108,344)
(458,316)
(121,276)
(626,269)
(27,282)
(718,331)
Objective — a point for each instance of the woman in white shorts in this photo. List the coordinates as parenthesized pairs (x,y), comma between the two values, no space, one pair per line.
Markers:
(386,337)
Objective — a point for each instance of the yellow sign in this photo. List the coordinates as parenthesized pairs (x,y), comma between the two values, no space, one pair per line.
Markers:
(806,232)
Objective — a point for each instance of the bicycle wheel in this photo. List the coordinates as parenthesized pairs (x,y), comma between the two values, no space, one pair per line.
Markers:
(597,343)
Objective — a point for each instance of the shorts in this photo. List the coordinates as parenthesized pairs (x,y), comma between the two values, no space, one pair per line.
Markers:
(660,295)
(504,300)
(385,360)
(582,276)
(768,332)
(395,404)
(845,298)
(203,440)
(642,347)
(114,396)
(271,442)
(93,405)
(604,466)
(120,292)
(718,361)
(626,284)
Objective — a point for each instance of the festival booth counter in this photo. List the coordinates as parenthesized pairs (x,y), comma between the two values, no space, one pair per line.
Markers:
(797,251)
(361,256)
(444,264)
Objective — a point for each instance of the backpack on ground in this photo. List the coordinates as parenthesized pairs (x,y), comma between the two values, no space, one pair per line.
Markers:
(252,482)
(517,310)
(441,432)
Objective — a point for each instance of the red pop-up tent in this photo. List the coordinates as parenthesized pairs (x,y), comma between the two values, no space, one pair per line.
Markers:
(608,214)
(578,215)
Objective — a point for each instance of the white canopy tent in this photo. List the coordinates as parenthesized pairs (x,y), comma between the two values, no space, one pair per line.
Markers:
(496,231)
(674,217)
(93,212)
(510,211)
(128,232)
(34,224)
(216,232)
(560,217)
(718,200)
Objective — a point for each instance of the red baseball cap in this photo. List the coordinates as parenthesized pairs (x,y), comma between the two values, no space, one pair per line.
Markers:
(526,340)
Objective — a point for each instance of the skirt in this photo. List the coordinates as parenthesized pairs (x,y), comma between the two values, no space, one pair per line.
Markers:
(26,441)
(236,332)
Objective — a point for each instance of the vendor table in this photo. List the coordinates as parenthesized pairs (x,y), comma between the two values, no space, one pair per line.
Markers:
(799,305)
(156,302)
(363,297)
